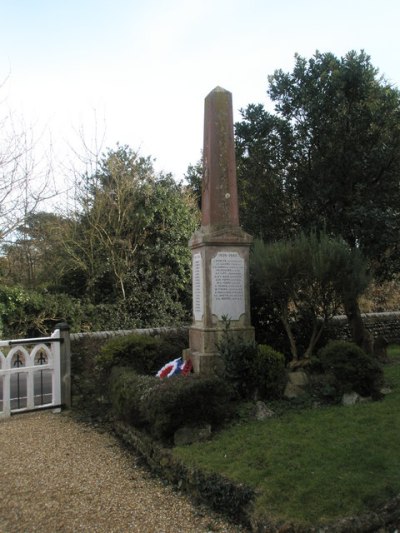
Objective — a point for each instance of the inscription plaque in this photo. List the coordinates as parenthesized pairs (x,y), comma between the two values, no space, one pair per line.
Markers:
(198,302)
(227,278)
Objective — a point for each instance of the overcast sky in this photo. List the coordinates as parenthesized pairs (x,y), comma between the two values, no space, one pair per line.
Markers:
(140,70)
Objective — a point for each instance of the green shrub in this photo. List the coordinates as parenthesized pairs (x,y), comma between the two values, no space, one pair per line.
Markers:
(33,313)
(163,406)
(143,353)
(87,388)
(352,368)
(128,393)
(271,374)
(238,362)
(184,401)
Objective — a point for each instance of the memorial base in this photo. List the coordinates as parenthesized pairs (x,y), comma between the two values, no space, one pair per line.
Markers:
(203,350)
(204,364)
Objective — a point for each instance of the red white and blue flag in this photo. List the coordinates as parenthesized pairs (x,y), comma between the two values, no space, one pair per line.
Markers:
(175,367)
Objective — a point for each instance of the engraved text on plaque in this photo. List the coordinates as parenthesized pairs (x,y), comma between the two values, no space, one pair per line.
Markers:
(227,277)
(198,305)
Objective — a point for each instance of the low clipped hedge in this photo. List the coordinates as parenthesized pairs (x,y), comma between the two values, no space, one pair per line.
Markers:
(163,406)
(128,392)
(144,353)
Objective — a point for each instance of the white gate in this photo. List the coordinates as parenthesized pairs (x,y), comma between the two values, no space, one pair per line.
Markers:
(30,374)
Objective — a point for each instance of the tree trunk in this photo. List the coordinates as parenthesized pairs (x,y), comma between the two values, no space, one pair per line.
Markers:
(315,336)
(359,334)
(293,347)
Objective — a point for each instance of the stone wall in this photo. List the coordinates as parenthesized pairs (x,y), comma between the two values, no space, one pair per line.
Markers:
(378,324)
(104,335)
(385,324)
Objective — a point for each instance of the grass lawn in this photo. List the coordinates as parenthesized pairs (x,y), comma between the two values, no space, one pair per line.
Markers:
(314,465)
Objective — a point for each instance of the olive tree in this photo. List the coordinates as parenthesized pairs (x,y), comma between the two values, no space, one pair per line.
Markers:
(310,274)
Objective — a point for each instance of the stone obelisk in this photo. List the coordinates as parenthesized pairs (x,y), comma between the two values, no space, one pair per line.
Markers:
(220,248)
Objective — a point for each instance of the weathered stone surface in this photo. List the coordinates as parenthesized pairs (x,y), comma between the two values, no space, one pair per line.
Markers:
(220,248)
(296,385)
(298,378)
(262,411)
(188,435)
(386,324)
(219,189)
(350,398)
(293,391)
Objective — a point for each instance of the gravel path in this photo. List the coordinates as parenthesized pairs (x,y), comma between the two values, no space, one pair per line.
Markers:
(57,475)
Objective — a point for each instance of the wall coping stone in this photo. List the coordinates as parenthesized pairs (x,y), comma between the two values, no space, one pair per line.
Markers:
(122,332)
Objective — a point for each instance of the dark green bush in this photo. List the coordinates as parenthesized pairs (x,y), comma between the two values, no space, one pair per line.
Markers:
(238,363)
(33,313)
(128,393)
(184,401)
(86,387)
(163,406)
(352,368)
(271,374)
(143,353)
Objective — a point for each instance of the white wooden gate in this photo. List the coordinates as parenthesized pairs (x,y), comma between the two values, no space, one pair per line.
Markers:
(30,374)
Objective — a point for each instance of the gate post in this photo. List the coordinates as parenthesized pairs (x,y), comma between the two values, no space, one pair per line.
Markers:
(65,363)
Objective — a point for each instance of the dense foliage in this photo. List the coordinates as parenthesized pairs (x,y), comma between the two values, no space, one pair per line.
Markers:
(163,406)
(271,373)
(352,369)
(252,370)
(307,276)
(27,313)
(327,158)
(143,353)
(122,252)
(238,358)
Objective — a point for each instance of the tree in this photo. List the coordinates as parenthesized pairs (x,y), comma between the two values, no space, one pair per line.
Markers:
(25,176)
(194,176)
(308,275)
(338,162)
(345,172)
(114,210)
(263,149)
(129,238)
(35,258)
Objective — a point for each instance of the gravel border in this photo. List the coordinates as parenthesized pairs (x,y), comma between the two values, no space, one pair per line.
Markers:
(58,475)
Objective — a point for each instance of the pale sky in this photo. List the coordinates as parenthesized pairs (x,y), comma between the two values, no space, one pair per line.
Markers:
(141,69)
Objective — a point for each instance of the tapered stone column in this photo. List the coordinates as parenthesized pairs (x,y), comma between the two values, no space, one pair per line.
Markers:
(220,248)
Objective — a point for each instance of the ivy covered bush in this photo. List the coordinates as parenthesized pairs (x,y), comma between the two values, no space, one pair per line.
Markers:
(351,368)
(29,313)
(163,406)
